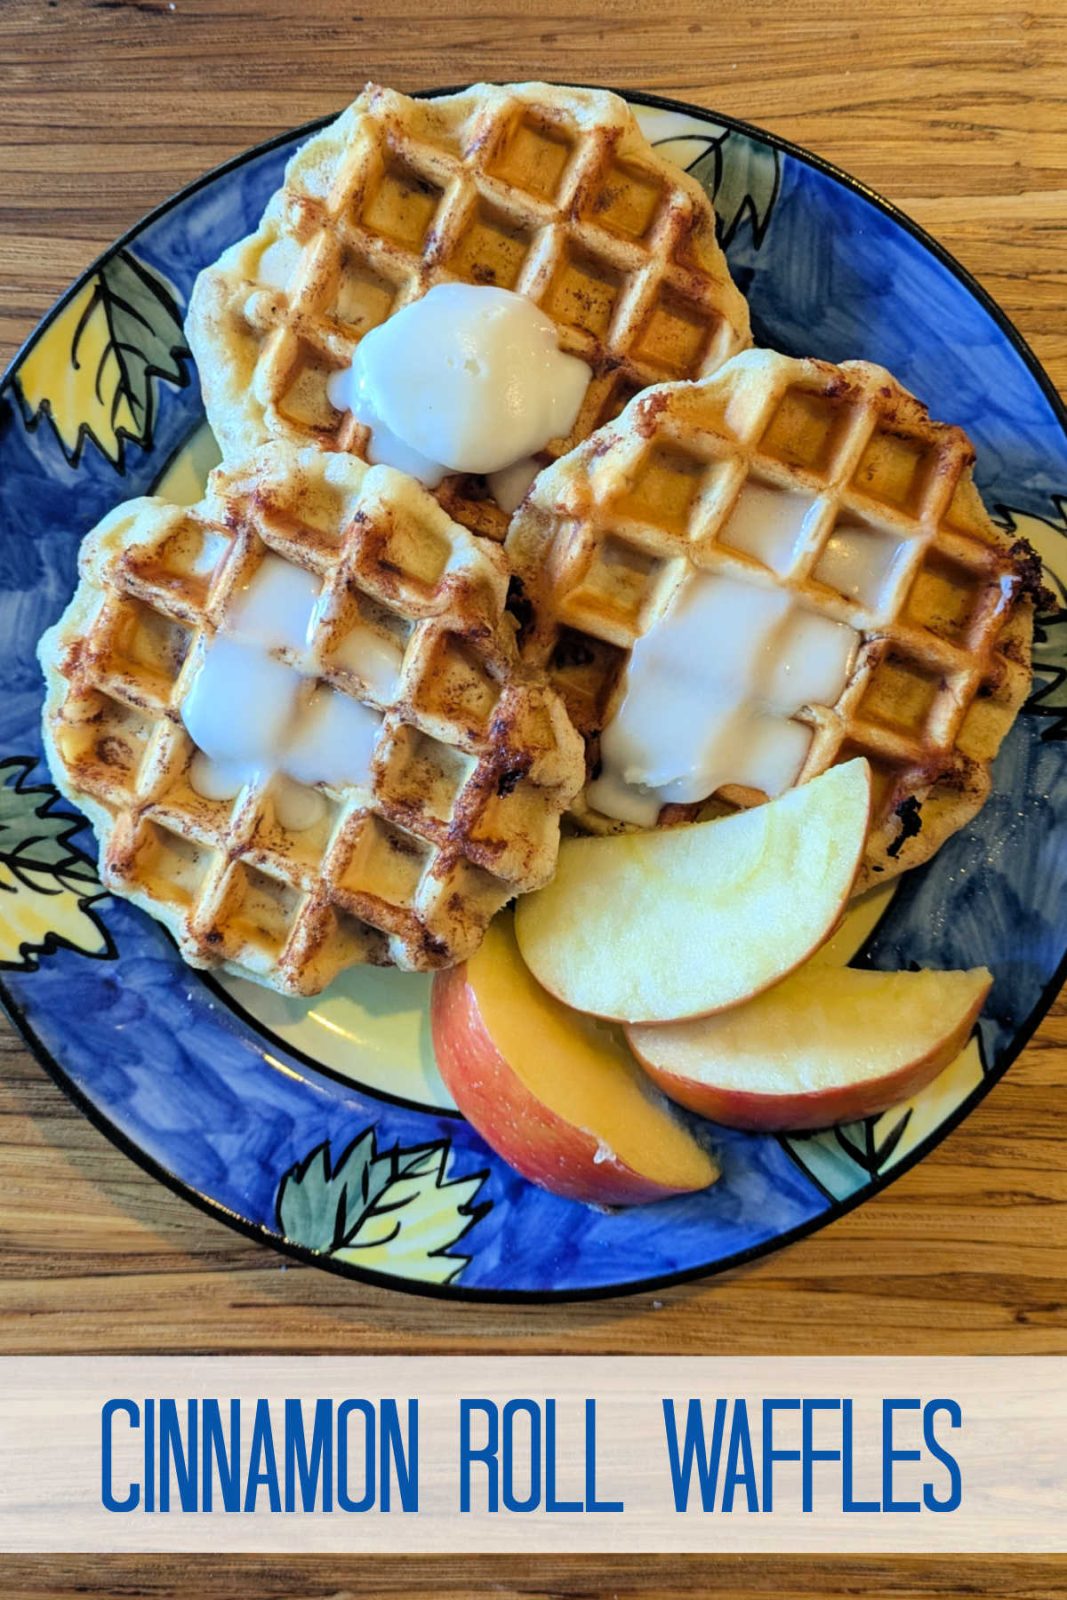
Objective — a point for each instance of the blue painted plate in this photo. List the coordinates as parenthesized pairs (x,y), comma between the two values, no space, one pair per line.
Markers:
(322,1126)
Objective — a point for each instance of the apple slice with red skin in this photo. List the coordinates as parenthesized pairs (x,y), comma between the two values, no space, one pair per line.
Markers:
(682,922)
(556,1094)
(826,1045)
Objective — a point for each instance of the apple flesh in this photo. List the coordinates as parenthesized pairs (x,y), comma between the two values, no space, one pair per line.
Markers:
(679,923)
(827,1045)
(558,1095)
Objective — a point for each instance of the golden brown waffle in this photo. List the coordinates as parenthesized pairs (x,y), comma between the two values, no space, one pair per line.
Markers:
(551,192)
(473,764)
(943,664)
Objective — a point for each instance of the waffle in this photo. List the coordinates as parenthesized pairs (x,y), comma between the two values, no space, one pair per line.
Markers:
(551,192)
(472,766)
(943,660)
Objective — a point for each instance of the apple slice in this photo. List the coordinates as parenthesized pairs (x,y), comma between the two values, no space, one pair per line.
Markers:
(828,1044)
(657,927)
(558,1095)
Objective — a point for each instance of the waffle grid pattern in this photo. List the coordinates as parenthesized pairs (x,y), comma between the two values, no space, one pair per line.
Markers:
(895,542)
(549,192)
(472,765)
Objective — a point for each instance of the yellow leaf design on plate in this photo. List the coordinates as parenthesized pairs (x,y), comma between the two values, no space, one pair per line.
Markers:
(398,1212)
(844,1159)
(424,1215)
(906,1125)
(47,886)
(40,913)
(93,370)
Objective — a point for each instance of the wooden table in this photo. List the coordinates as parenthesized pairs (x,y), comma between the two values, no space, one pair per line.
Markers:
(955,111)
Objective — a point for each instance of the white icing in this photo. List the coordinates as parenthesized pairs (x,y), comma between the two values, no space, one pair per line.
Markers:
(509,486)
(763,751)
(240,703)
(296,807)
(857,561)
(276,608)
(766,523)
(255,718)
(627,802)
(332,741)
(810,662)
(218,780)
(374,658)
(708,696)
(467,378)
(384,448)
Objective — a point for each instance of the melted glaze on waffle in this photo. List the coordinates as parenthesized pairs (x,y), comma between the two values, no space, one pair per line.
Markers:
(473,764)
(876,524)
(551,192)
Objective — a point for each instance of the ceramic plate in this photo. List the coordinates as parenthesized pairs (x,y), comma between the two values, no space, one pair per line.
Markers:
(322,1126)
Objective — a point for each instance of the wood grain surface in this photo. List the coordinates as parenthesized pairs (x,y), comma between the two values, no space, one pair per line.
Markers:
(958,112)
